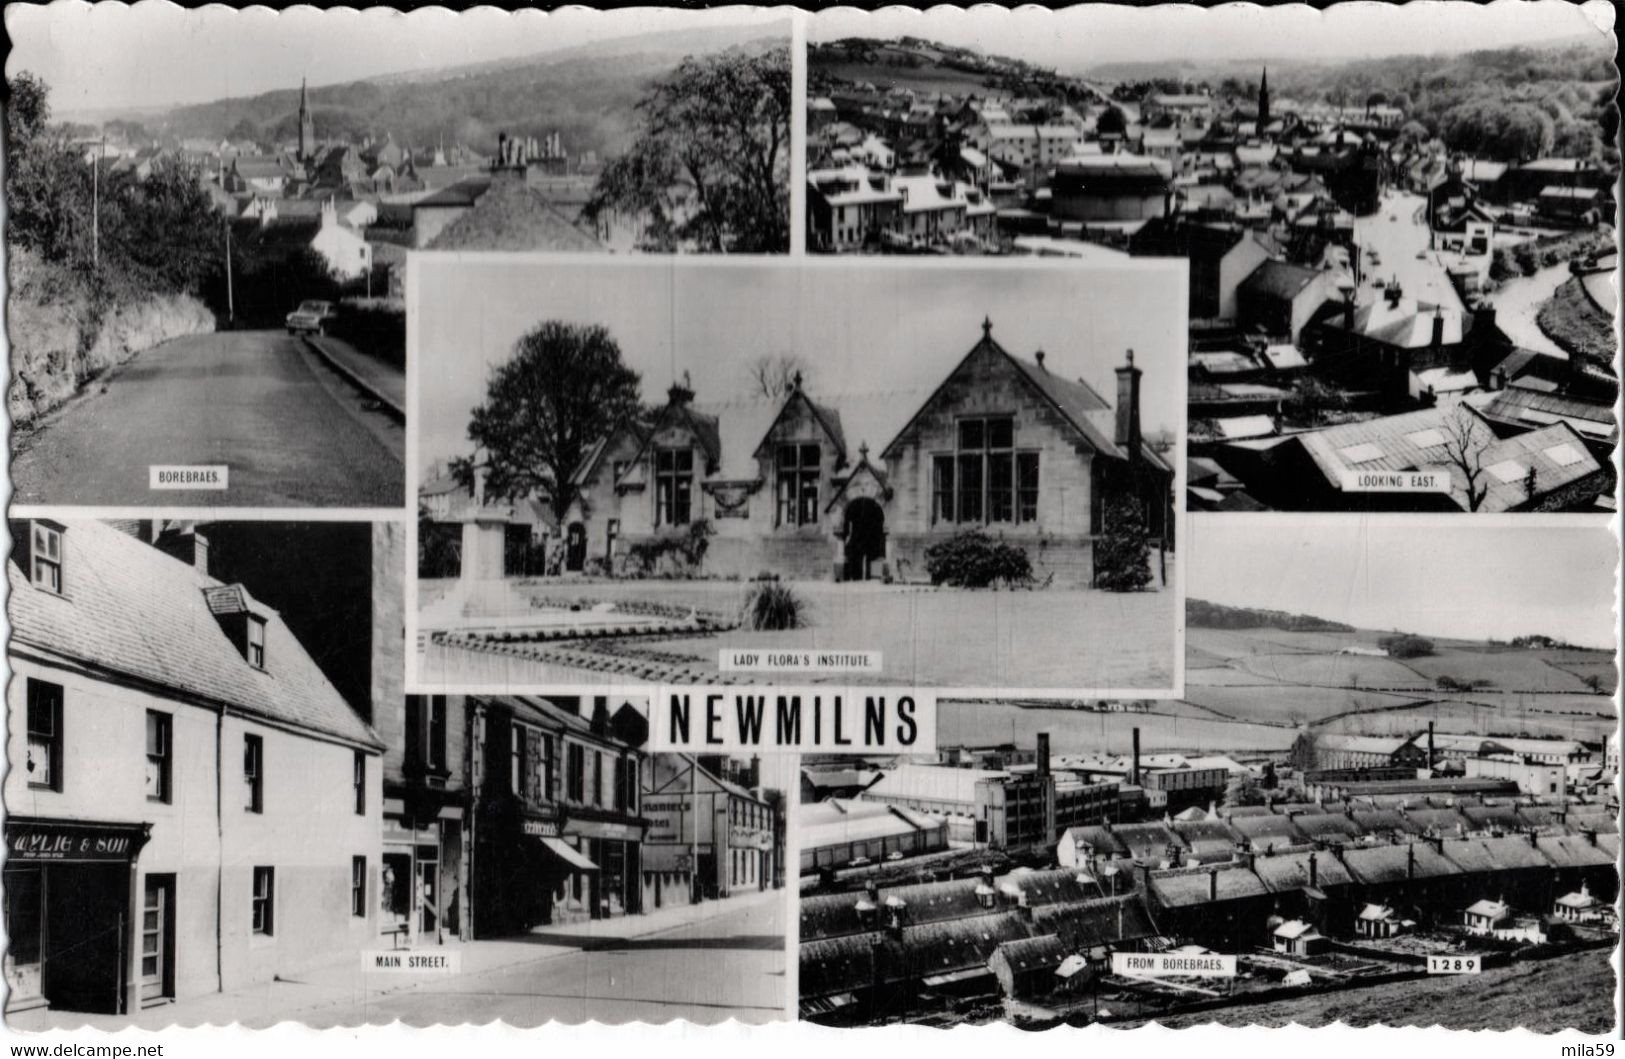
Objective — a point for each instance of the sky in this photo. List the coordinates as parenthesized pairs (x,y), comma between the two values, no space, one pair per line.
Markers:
(155,53)
(876,327)
(1091,35)
(1468,576)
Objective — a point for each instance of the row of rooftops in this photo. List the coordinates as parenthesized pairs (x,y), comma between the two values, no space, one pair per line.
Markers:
(1219,838)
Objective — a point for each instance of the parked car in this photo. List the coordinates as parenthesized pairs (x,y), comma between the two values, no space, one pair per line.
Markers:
(310,318)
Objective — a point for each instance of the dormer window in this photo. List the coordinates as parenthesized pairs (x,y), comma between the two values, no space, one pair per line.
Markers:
(254,645)
(46,556)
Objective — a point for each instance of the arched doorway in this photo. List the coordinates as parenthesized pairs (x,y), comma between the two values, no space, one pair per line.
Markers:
(865,539)
(575,547)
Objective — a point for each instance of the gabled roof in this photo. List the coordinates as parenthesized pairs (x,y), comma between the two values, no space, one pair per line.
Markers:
(510,216)
(1043,953)
(1374,865)
(1192,887)
(1283,872)
(132,610)
(1279,279)
(827,418)
(1075,400)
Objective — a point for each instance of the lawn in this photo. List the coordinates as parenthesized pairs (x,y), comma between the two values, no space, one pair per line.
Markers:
(1051,639)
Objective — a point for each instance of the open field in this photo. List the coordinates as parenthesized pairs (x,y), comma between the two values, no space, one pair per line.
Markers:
(920,79)
(1273,676)
(1569,992)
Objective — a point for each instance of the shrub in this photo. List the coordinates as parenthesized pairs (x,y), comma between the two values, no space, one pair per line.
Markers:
(972,559)
(771,606)
(674,556)
(1123,554)
(1404,645)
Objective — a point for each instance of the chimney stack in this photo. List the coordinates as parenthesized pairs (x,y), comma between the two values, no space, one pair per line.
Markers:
(1134,772)
(1438,329)
(1213,885)
(1314,870)
(1128,406)
(1039,356)
(1043,754)
(185,544)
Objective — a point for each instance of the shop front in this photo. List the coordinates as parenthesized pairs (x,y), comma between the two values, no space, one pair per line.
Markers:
(614,848)
(72,897)
(421,887)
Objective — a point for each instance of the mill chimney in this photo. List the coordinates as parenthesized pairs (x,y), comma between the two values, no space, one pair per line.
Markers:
(1043,754)
(1213,885)
(1134,769)
(1314,870)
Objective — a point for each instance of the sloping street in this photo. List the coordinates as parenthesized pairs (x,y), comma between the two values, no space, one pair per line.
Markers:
(290,430)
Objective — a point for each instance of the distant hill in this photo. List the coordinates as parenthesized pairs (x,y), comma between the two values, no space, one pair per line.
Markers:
(588,94)
(1202,614)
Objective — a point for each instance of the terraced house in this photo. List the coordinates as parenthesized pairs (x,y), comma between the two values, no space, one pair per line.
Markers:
(853,488)
(191,805)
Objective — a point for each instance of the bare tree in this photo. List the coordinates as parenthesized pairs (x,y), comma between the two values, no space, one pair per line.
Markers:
(1465,441)
(774,376)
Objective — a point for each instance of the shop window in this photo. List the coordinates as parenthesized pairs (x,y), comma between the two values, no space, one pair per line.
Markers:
(797,467)
(253,773)
(44,735)
(256,641)
(674,486)
(46,555)
(159,758)
(265,901)
(358,887)
(359,781)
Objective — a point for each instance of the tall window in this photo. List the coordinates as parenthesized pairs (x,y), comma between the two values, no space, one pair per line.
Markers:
(597,779)
(358,886)
(575,767)
(674,486)
(547,768)
(44,735)
(798,485)
(426,731)
(256,641)
(985,480)
(158,756)
(46,553)
(265,901)
(359,781)
(516,759)
(254,774)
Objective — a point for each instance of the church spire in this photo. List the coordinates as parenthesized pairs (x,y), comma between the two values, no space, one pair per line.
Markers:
(1263,100)
(307,127)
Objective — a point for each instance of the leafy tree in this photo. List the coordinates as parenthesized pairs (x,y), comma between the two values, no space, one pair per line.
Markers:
(1112,120)
(1496,129)
(564,388)
(1123,552)
(1405,645)
(1313,401)
(721,123)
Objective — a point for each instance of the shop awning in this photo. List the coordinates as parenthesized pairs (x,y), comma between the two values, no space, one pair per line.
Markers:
(568,854)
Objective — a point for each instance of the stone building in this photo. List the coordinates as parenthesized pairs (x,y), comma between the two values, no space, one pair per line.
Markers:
(858,488)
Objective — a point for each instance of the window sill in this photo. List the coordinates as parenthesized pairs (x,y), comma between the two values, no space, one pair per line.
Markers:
(258,940)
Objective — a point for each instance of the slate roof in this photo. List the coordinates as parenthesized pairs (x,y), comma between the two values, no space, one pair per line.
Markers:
(837,965)
(1327,825)
(1374,865)
(1494,854)
(1531,408)
(1263,831)
(134,610)
(1415,440)
(1108,921)
(511,216)
(1043,953)
(1573,851)
(1279,279)
(1192,887)
(1282,872)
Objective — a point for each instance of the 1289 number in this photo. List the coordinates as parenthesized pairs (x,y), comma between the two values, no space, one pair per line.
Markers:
(1454,965)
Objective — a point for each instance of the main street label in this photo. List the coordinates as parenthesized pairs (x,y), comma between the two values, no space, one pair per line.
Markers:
(812,719)
(1396,482)
(1170,964)
(406,962)
(206,476)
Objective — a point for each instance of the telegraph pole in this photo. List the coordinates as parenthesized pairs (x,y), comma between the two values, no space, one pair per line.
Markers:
(231,301)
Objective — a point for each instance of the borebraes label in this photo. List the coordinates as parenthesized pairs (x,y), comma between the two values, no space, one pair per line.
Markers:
(180,476)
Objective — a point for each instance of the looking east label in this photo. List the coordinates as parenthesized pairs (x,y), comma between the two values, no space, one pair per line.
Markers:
(1396,482)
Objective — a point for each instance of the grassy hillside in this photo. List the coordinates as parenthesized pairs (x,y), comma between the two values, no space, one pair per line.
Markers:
(1269,676)
(588,95)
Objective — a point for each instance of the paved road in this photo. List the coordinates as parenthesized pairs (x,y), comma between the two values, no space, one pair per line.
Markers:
(1397,232)
(729,966)
(290,430)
